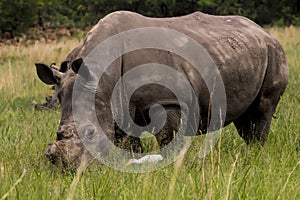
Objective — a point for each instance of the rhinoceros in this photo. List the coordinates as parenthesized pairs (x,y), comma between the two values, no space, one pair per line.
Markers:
(252,65)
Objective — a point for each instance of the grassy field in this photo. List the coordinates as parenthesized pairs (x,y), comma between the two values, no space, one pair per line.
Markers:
(231,171)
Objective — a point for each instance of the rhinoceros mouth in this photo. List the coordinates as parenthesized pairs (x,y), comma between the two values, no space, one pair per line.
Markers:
(66,152)
(50,152)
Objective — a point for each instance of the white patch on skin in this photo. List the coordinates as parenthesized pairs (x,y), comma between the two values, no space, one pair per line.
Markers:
(180,42)
(90,33)
(275,82)
(95,27)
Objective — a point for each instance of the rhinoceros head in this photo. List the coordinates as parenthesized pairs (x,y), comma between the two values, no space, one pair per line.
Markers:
(67,149)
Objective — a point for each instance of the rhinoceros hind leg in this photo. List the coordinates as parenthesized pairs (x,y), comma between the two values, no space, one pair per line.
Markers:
(253,126)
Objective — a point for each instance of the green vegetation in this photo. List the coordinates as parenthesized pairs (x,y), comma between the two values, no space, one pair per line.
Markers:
(18,15)
(231,171)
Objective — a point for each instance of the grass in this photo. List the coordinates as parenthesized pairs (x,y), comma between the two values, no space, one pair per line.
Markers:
(231,171)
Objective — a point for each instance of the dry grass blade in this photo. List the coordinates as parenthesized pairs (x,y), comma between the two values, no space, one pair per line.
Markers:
(14,186)
(177,166)
(83,166)
(230,176)
(287,180)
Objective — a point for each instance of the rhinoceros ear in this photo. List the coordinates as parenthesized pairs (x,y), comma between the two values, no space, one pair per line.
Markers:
(45,74)
(80,68)
(64,66)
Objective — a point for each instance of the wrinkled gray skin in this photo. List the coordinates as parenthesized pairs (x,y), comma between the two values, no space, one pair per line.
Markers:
(252,64)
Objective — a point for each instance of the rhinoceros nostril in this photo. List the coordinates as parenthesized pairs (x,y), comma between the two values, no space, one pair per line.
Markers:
(59,134)
(51,149)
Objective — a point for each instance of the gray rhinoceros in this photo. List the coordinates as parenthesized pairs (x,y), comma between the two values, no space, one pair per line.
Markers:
(252,65)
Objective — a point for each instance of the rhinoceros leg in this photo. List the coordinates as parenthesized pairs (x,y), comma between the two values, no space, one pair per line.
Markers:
(254,124)
(171,126)
(128,142)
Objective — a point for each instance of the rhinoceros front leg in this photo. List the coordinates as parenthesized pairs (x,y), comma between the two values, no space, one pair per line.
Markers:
(127,142)
(171,127)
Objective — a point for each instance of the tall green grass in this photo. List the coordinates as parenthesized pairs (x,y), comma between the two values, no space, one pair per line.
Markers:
(231,171)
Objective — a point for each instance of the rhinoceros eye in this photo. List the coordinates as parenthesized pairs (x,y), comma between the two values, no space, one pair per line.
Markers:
(89,132)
